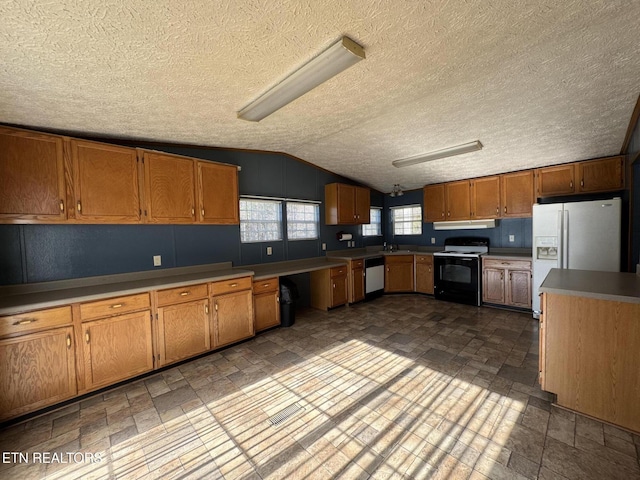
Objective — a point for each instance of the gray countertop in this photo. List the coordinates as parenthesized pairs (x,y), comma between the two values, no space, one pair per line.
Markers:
(615,286)
(22,298)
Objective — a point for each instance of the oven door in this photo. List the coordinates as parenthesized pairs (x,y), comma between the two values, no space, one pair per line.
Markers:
(457,279)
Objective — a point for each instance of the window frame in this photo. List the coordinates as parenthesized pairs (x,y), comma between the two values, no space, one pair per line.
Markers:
(279,221)
(378,224)
(316,220)
(417,220)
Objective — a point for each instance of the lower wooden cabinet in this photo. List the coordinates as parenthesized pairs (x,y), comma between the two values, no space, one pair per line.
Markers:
(183,331)
(266,303)
(329,287)
(116,348)
(232,312)
(424,274)
(398,275)
(36,370)
(506,282)
(356,281)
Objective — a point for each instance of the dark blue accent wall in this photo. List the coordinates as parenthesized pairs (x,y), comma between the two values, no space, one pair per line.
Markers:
(498,237)
(40,253)
(633,151)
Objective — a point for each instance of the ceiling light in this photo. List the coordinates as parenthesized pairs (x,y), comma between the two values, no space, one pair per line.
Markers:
(397,191)
(436,154)
(338,57)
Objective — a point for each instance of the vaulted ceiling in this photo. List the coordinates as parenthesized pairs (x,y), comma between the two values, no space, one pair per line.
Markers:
(538,83)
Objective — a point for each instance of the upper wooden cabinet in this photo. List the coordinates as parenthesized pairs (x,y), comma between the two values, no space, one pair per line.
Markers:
(32,184)
(601,175)
(217,193)
(434,203)
(517,194)
(169,188)
(556,180)
(346,204)
(106,183)
(485,197)
(457,200)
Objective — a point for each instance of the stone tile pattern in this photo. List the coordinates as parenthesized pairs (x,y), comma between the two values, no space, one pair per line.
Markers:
(401,387)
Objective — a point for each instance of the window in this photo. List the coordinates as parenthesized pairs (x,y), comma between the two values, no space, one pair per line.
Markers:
(260,220)
(407,220)
(302,221)
(374,228)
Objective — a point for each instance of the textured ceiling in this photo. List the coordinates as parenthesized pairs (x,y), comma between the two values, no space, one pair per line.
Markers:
(537,82)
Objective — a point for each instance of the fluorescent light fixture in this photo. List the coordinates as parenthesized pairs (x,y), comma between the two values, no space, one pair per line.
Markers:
(337,58)
(436,154)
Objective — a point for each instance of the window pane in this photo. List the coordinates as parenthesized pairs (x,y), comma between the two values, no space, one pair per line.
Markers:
(302,221)
(375,227)
(407,220)
(260,220)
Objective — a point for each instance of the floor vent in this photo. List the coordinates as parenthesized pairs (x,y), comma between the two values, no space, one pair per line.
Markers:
(288,412)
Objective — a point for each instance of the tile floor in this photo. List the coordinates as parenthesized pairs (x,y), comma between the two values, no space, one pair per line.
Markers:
(401,387)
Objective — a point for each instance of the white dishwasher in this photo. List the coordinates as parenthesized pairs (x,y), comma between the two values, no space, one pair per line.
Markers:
(373,277)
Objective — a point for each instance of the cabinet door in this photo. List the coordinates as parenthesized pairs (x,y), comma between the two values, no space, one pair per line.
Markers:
(519,290)
(266,307)
(434,206)
(32,187)
(233,317)
(558,180)
(218,193)
(517,194)
(485,197)
(398,274)
(493,285)
(36,370)
(424,277)
(458,200)
(339,290)
(169,188)
(363,205)
(346,204)
(105,182)
(601,175)
(117,348)
(357,280)
(183,331)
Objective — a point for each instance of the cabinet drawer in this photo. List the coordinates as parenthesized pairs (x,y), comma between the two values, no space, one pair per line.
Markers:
(357,264)
(38,320)
(510,264)
(398,259)
(232,285)
(113,306)
(266,285)
(338,271)
(424,259)
(172,296)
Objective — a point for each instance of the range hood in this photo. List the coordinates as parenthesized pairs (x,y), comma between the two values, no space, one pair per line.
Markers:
(464,225)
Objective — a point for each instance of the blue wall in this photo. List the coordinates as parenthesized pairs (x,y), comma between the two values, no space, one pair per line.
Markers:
(40,253)
(632,151)
(498,237)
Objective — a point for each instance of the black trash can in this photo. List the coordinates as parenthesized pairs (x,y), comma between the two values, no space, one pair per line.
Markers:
(288,296)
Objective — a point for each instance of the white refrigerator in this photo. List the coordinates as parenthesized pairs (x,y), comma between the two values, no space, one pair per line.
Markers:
(578,235)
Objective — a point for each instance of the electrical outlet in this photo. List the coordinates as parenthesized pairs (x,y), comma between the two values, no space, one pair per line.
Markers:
(433,241)
(512,238)
(269,250)
(324,247)
(157,260)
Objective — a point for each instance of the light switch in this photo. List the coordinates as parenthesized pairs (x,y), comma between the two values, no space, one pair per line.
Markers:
(324,247)
(269,250)
(157,260)
(512,238)
(433,241)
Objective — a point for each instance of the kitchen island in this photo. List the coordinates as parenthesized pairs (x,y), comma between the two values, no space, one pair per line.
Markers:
(590,343)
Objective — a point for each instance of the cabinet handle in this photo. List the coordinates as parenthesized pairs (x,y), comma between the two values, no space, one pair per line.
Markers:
(582,182)
(206,309)
(571,184)
(504,263)
(448,214)
(233,284)
(193,211)
(86,336)
(202,212)
(25,321)
(117,305)
(215,305)
(62,205)
(502,276)
(184,294)
(334,285)
(510,277)
(266,284)
(442,214)
(68,342)
(277,299)
(429,269)
(505,209)
(79,205)
(497,210)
